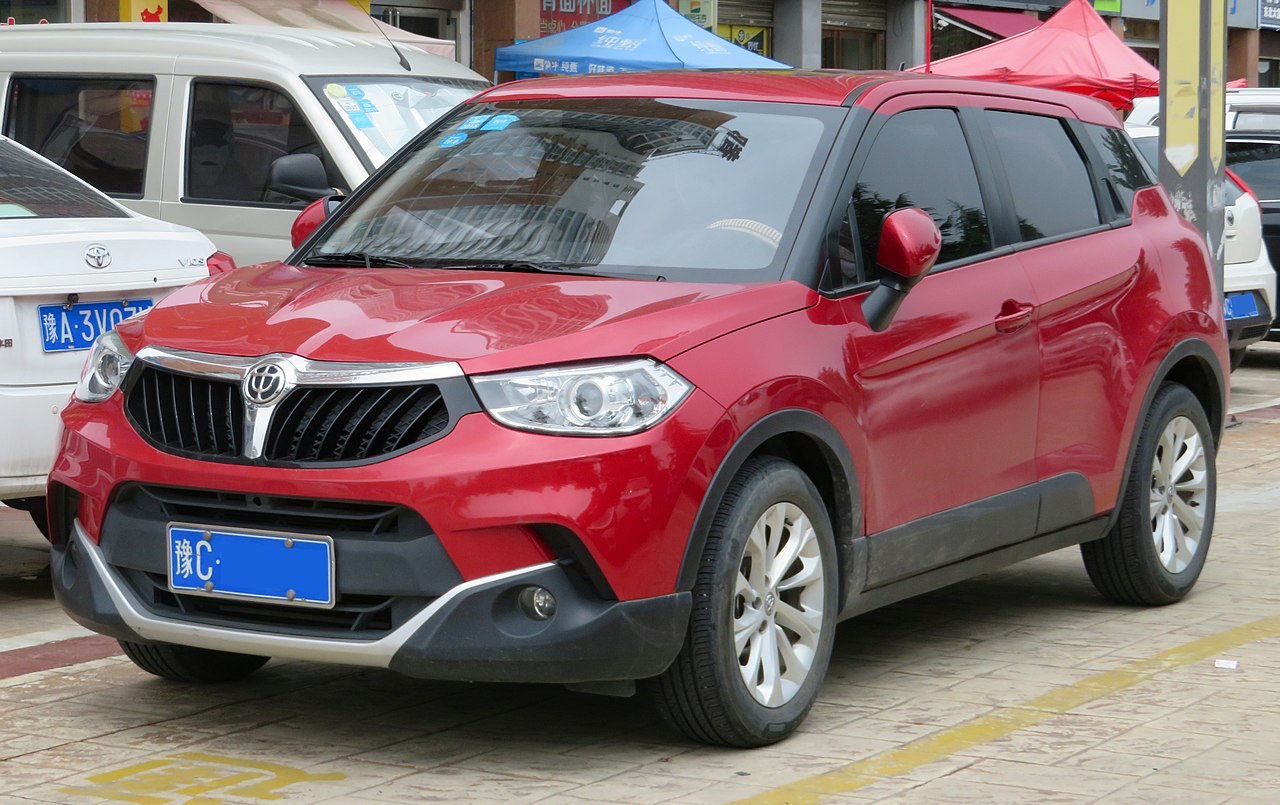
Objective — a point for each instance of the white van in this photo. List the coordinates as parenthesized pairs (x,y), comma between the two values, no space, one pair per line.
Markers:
(230,129)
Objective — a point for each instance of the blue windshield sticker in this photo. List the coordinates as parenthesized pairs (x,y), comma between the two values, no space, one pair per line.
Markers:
(499,123)
(474,122)
(367,106)
(360,120)
(456,138)
(355,91)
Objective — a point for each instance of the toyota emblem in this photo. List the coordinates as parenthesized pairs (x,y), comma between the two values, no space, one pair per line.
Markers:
(97,256)
(264,383)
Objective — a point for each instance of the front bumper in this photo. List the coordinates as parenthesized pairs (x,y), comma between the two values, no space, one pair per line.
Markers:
(475,631)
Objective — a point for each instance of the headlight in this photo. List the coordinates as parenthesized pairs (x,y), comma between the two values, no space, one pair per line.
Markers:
(601,400)
(108,363)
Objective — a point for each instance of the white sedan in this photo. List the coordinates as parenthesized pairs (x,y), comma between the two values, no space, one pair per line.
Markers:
(73,264)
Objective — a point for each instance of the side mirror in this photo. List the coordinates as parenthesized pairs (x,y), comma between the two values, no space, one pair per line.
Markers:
(909,246)
(300,176)
(312,217)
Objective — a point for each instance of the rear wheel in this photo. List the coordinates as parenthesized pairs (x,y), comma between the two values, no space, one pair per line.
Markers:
(763,619)
(1158,545)
(190,664)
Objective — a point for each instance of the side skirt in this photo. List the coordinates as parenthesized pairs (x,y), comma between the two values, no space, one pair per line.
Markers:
(1088,531)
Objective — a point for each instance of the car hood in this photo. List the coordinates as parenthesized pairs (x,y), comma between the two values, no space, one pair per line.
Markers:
(485,320)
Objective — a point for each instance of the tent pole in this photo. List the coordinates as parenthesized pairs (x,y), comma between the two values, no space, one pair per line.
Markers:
(928,37)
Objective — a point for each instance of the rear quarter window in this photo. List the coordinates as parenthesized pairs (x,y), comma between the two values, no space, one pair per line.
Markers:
(1126,173)
(30,188)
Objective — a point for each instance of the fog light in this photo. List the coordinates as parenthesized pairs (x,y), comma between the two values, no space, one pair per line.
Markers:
(538,603)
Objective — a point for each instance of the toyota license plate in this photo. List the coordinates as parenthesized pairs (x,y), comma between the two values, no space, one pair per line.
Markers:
(65,328)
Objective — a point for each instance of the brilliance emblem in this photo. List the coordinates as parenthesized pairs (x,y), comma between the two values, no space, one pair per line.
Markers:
(97,256)
(264,383)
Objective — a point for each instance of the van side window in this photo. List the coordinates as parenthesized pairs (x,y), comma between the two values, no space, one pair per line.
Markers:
(1126,173)
(96,128)
(1051,186)
(919,159)
(235,133)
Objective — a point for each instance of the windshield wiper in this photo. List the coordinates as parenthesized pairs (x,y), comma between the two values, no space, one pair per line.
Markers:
(353,260)
(529,266)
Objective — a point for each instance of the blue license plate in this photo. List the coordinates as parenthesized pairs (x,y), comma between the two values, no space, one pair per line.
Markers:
(1241,306)
(65,328)
(262,566)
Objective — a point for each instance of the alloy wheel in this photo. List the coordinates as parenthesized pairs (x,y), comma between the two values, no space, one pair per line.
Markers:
(1179,491)
(777,607)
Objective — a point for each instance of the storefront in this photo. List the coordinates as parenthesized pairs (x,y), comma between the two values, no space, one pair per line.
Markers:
(1142,33)
(747,23)
(1269,44)
(853,34)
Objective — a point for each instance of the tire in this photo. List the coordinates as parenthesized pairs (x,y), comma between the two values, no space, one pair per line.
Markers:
(1237,358)
(190,664)
(1154,553)
(705,693)
(34,507)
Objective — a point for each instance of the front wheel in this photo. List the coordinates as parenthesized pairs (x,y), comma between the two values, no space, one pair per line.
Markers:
(191,664)
(763,619)
(1154,553)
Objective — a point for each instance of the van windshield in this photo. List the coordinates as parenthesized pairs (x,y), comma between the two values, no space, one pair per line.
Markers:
(378,114)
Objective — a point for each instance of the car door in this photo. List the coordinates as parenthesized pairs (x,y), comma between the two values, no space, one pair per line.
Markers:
(218,179)
(948,391)
(1082,259)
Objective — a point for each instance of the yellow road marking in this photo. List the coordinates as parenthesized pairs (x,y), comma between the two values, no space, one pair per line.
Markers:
(1007,720)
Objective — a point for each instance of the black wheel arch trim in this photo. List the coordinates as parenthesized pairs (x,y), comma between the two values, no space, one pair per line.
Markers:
(844,495)
(1188,348)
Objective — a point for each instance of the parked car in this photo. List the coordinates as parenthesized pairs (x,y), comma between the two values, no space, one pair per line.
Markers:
(1254,156)
(73,263)
(646,378)
(230,129)
(1247,109)
(1249,280)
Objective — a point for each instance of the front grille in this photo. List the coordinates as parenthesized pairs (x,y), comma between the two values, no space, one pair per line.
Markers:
(205,418)
(347,423)
(276,513)
(188,414)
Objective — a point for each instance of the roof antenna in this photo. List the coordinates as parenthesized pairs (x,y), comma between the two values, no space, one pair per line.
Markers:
(403,61)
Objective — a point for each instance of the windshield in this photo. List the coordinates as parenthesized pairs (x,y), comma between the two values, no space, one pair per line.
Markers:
(1258,164)
(379,114)
(699,190)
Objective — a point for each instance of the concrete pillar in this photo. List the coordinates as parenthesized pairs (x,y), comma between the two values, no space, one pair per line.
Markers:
(1242,54)
(797,32)
(904,33)
(499,23)
(1117,26)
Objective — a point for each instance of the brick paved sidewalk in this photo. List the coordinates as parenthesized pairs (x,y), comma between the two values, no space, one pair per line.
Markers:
(1020,686)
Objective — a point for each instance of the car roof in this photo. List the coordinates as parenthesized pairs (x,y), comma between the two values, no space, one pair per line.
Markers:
(301,51)
(821,87)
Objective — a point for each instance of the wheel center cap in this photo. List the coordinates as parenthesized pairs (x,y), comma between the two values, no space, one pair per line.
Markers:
(770,603)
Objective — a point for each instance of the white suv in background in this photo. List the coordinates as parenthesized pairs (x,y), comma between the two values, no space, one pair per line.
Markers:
(73,264)
(1249,281)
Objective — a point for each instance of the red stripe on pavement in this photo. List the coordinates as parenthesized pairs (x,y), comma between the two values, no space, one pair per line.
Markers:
(28,660)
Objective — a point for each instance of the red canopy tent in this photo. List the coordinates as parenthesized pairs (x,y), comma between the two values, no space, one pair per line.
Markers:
(1074,50)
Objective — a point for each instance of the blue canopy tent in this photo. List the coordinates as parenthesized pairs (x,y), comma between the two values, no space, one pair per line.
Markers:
(648,35)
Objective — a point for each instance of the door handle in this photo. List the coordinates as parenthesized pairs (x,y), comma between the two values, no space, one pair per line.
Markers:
(1014,315)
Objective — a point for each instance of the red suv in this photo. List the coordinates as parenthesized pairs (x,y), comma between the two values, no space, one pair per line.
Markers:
(640,379)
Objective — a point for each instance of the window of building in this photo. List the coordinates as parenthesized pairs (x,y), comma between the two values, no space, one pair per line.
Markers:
(235,133)
(852,49)
(1050,183)
(920,159)
(94,127)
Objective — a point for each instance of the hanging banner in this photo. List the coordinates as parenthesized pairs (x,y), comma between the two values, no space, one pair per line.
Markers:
(561,15)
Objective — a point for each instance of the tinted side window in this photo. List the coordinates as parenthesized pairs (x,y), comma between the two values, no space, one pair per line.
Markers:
(920,159)
(31,188)
(94,127)
(1125,171)
(1258,164)
(234,134)
(1051,187)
